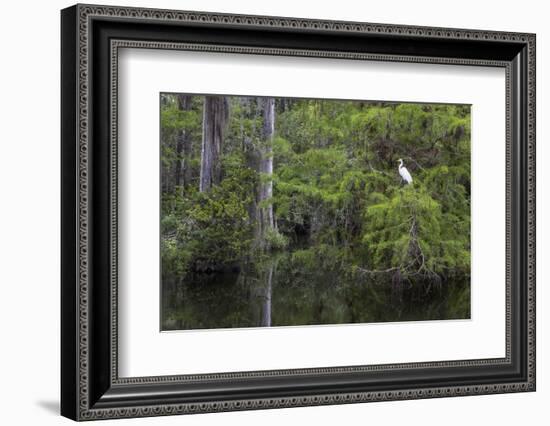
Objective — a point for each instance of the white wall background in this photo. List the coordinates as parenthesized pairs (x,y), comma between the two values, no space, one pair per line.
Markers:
(29,211)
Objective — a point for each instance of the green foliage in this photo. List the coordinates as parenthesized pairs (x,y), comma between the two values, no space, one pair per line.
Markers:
(275,240)
(172,121)
(205,230)
(409,230)
(221,224)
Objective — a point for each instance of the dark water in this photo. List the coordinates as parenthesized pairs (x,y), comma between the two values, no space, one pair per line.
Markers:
(276,294)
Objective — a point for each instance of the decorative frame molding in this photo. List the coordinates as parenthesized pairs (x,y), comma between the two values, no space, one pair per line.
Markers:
(91,37)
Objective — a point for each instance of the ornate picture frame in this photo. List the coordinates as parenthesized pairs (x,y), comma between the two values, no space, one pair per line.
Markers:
(91,37)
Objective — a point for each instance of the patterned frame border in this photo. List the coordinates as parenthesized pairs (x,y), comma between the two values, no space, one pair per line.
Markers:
(116,45)
(86,13)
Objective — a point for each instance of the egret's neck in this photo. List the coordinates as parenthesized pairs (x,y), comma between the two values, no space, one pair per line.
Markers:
(400,163)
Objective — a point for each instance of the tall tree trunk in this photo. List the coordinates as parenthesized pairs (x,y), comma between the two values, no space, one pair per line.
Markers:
(214,120)
(166,170)
(266,166)
(181,169)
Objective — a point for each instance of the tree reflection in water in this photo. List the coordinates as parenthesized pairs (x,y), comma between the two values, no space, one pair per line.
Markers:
(275,293)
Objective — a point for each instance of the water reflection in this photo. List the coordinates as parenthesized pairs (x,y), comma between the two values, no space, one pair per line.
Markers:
(274,293)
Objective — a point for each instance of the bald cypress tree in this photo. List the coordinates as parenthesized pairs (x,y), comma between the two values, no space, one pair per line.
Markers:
(266,220)
(215,116)
(182,171)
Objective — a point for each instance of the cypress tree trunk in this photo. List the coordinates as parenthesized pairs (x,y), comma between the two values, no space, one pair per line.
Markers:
(266,166)
(215,115)
(166,169)
(181,169)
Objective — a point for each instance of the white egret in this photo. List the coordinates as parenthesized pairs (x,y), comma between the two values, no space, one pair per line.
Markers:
(404,173)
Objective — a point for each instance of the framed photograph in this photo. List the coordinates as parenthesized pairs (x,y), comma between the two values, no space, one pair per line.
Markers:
(263,212)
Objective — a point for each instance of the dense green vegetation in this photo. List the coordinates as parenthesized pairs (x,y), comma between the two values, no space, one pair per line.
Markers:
(333,194)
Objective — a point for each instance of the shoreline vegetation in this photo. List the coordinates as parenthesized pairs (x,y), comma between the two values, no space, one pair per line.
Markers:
(282,190)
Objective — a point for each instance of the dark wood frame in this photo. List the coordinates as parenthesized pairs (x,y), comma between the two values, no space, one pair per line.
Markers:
(90,386)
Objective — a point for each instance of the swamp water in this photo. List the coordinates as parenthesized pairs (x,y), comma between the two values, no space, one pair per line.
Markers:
(274,293)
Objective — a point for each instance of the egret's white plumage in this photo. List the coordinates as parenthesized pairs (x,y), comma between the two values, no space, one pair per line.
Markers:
(404,173)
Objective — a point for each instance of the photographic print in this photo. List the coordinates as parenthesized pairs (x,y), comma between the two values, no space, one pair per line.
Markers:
(293,212)
(362,193)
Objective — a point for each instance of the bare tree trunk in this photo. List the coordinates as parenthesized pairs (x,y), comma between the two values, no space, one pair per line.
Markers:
(165,175)
(215,115)
(266,166)
(181,169)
